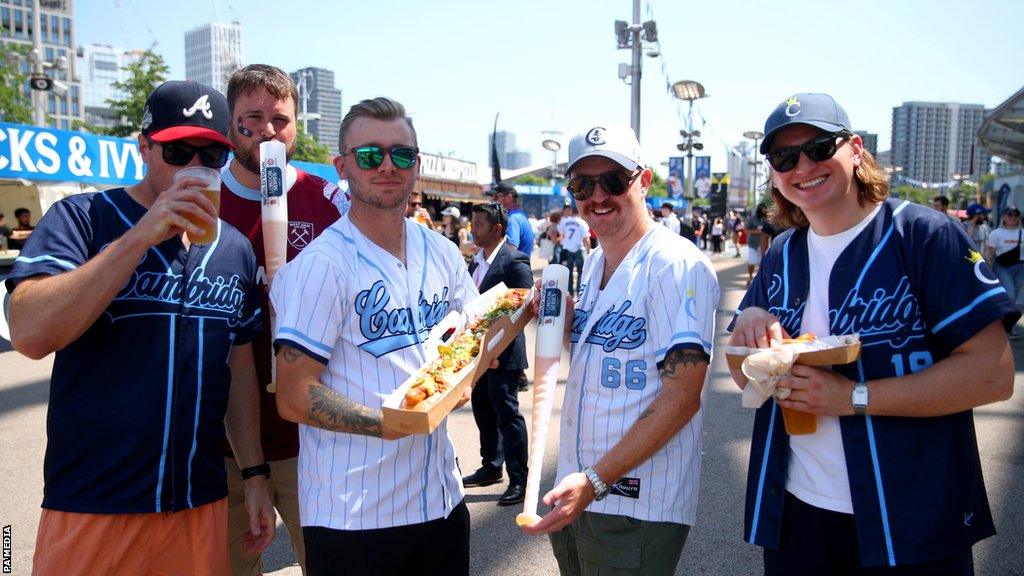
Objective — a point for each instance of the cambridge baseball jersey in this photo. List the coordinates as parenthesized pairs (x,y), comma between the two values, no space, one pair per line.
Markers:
(313,205)
(661,297)
(354,307)
(137,402)
(574,231)
(915,288)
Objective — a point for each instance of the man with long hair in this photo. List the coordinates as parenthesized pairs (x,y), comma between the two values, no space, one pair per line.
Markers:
(890,482)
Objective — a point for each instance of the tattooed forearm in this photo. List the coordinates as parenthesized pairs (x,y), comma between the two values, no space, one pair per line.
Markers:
(679,360)
(646,413)
(334,411)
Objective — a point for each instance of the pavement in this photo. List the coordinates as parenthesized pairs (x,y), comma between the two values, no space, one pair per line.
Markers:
(715,546)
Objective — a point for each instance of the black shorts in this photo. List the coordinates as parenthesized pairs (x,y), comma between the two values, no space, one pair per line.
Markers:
(439,547)
(818,542)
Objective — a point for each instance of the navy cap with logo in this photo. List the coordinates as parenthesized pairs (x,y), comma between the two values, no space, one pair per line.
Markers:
(181,109)
(818,110)
(975,209)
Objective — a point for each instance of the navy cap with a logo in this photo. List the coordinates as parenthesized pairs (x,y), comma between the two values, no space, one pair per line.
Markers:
(818,110)
(181,109)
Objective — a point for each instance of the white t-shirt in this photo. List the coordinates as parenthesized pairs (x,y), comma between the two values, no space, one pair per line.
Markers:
(1005,239)
(671,222)
(817,462)
(573,230)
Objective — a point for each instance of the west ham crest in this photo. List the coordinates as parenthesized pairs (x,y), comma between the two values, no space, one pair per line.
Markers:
(300,234)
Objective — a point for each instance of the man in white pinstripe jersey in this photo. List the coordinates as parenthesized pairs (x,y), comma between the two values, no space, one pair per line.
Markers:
(640,337)
(353,311)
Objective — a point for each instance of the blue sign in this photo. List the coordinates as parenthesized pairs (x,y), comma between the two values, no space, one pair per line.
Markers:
(676,176)
(34,153)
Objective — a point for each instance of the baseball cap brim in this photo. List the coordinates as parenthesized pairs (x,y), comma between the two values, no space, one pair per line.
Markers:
(609,154)
(820,124)
(184,132)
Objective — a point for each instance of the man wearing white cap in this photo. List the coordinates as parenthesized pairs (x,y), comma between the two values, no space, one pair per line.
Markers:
(640,337)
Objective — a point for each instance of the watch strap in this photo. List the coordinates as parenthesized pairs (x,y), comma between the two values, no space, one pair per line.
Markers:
(600,488)
(258,470)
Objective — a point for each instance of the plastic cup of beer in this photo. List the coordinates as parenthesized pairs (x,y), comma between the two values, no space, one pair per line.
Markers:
(210,189)
(799,422)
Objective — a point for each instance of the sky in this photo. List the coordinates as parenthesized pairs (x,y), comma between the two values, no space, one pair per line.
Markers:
(551,65)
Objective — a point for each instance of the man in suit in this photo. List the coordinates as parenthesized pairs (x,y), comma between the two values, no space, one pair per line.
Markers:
(495,404)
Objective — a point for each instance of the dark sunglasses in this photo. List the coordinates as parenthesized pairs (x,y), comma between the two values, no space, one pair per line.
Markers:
(371,157)
(820,149)
(614,183)
(178,154)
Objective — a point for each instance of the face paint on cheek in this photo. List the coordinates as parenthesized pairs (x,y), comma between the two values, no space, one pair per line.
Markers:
(242,129)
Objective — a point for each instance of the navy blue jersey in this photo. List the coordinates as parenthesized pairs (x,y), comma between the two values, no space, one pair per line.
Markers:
(137,403)
(914,287)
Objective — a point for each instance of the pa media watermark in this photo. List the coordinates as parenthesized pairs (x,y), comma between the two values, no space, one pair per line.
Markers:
(7,549)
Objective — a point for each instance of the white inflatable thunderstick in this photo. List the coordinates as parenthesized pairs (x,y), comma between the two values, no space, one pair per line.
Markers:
(273,180)
(548,354)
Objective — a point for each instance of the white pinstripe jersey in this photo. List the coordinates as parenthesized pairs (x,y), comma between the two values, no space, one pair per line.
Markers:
(662,296)
(353,306)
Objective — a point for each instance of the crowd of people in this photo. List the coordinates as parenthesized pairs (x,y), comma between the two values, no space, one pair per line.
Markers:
(198,390)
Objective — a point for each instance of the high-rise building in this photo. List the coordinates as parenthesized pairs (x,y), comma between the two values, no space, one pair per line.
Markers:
(870,141)
(213,52)
(63,103)
(319,98)
(937,142)
(511,158)
(99,67)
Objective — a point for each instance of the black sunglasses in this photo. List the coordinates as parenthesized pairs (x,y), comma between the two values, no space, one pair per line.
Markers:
(371,157)
(614,183)
(819,149)
(178,154)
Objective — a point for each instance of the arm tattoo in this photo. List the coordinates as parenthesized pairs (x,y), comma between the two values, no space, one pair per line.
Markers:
(290,354)
(646,413)
(681,359)
(334,411)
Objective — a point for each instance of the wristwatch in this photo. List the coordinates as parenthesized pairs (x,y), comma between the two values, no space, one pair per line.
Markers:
(600,488)
(859,398)
(258,470)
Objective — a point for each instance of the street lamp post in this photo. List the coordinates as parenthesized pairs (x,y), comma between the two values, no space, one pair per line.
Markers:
(631,36)
(755,136)
(304,93)
(689,90)
(554,146)
(40,79)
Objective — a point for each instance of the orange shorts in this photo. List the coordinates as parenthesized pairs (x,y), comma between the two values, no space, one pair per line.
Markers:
(163,543)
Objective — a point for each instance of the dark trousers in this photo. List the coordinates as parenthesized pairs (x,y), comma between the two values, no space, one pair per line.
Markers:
(573,261)
(502,427)
(439,547)
(817,542)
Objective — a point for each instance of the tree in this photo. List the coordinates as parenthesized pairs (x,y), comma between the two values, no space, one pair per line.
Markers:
(921,196)
(658,188)
(15,102)
(308,149)
(145,74)
(531,180)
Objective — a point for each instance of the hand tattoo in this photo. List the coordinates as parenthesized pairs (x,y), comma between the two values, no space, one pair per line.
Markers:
(681,359)
(333,411)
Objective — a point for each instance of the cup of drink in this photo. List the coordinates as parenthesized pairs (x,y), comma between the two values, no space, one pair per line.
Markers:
(210,189)
(799,422)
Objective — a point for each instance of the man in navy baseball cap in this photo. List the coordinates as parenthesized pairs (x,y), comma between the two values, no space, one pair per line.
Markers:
(818,110)
(181,109)
(153,364)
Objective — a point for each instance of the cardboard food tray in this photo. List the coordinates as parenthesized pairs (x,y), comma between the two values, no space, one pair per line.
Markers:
(428,414)
(846,350)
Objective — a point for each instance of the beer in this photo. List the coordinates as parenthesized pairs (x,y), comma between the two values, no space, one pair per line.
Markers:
(210,189)
(210,234)
(799,422)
